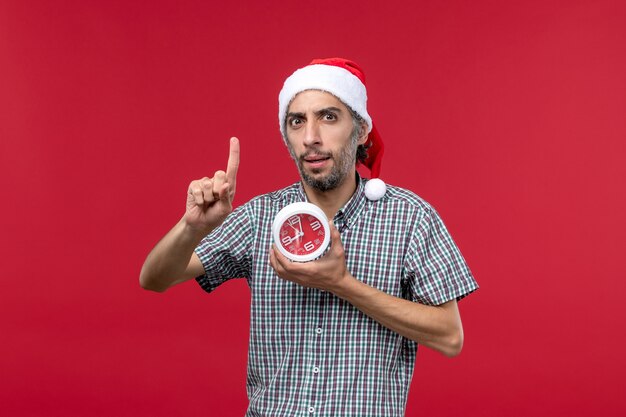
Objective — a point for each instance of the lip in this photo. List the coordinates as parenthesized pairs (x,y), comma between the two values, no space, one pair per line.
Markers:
(316,161)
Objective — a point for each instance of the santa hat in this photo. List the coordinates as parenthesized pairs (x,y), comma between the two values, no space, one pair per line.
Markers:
(345,80)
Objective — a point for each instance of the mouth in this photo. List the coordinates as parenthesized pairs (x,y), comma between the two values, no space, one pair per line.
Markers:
(316,160)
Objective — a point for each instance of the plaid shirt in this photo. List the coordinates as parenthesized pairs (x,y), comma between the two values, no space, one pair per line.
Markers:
(311,353)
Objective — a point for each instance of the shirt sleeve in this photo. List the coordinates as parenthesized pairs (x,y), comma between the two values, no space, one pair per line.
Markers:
(226,252)
(435,270)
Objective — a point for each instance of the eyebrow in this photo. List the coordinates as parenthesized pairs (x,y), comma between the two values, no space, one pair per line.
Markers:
(319,112)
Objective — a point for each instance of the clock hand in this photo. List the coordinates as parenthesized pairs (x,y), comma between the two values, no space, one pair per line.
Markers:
(299,231)
(288,239)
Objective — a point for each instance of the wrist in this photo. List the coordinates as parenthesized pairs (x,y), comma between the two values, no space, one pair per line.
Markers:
(345,286)
(192,231)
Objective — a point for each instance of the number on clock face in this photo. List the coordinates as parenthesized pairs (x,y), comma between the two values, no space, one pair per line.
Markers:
(302,234)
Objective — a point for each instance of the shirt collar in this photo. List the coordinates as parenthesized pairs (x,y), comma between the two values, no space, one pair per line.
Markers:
(347,215)
(352,209)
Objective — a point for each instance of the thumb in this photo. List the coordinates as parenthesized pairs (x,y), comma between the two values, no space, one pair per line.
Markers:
(224,197)
(335,237)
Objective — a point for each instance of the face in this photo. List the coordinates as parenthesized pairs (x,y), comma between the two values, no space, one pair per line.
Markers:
(322,139)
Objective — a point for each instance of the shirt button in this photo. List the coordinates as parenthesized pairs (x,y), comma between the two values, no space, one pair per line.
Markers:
(311,410)
(318,330)
(316,370)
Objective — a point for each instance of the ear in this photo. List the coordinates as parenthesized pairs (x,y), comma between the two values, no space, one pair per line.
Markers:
(364,134)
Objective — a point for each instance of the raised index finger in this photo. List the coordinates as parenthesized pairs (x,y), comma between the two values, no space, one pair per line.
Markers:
(233,161)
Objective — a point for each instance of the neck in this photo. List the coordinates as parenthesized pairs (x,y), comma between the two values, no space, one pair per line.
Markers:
(332,200)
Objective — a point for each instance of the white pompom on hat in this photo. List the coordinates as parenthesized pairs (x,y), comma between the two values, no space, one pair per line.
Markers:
(345,80)
(375,189)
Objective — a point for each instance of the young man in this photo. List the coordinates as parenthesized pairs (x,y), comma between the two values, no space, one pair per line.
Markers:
(336,336)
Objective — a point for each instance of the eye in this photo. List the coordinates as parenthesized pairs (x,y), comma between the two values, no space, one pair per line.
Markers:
(295,122)
(329,116)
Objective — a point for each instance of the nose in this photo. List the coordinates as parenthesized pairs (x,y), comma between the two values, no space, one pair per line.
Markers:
(312,133)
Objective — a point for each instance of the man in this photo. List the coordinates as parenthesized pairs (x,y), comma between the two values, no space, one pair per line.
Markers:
(336,336)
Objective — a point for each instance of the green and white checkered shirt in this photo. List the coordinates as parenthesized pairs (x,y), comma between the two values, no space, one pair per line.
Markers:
(311,353)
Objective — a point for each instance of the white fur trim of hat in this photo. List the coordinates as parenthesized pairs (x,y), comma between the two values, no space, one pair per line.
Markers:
(335,80)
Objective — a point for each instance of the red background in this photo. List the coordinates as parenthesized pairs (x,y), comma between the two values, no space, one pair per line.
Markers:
(509,117)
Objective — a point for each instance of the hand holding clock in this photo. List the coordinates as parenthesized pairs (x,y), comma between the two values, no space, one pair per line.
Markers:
(209,200)
(325,273)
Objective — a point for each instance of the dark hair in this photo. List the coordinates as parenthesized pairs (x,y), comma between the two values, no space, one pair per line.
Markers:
(359,126)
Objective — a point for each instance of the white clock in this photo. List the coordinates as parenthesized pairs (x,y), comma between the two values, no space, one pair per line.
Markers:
(301,232)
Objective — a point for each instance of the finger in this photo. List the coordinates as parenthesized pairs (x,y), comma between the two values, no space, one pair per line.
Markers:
(233,161)
(218,181)
(274,262)
(207,190)
(223,192)
(335,236)
(336,245)
(196,194)
(281,262)
(274,256)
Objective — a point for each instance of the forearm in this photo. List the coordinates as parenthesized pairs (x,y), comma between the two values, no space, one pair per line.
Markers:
(209,202)
(170,262)
(438,327)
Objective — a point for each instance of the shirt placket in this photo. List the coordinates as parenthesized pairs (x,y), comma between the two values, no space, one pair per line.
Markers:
(317,369)
(314,364)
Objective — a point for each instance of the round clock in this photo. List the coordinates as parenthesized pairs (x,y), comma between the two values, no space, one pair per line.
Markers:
(301,232)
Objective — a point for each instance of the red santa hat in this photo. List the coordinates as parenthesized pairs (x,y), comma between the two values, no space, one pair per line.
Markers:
(345,80)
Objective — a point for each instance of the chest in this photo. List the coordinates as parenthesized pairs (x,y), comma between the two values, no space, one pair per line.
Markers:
(375,245)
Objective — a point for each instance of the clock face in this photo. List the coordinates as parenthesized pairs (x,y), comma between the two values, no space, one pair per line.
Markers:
(301,232)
